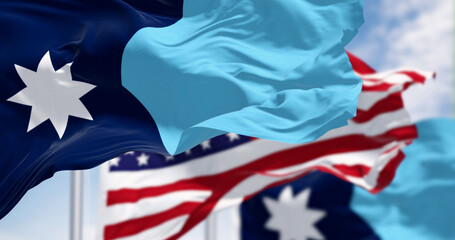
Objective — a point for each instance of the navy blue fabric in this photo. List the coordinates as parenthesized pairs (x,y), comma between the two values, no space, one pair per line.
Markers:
(91,34)
(328,193)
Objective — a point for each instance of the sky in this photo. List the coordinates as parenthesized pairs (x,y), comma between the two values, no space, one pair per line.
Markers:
(411,33)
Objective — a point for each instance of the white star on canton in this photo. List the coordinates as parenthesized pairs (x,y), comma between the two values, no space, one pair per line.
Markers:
(206,145)
(188,152)
(129,153)
(291,217)
(143,159)
(232,136)
(52,94)
(169,158)
(114,162)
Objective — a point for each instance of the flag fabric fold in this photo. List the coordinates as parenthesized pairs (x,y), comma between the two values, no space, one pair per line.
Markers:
(150,196)
(258,68)
(71,97)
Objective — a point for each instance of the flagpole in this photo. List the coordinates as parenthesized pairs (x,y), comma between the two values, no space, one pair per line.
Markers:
(210,230)
(76,206)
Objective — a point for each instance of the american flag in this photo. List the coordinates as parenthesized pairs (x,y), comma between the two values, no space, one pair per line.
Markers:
(149,196)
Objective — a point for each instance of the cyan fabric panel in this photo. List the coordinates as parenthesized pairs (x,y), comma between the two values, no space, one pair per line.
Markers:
(270,69)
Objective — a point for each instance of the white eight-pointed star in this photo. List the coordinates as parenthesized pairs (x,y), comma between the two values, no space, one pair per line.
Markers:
(52,95)
(291,217)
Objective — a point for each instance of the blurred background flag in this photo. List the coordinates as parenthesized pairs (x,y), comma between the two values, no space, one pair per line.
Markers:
(81,86)
(150,196)
(417,205)
(316,207)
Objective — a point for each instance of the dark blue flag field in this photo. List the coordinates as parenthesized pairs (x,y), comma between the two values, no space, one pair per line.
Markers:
(45,40)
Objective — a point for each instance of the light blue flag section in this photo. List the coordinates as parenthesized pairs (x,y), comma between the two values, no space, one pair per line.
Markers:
(420,202)
(272,69)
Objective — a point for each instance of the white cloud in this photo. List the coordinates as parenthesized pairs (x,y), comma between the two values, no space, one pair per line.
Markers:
(395,9)
(415,33)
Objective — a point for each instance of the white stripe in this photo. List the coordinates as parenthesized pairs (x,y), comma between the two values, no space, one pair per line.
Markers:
(376,126)
(368,99)
(245,153)
(149,206)
(161,231)
(388,77)
(367,158)
(393,76)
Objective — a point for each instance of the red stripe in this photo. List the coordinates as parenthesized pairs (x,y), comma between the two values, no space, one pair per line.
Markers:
(354,171)
(391,103)
(133,195)
(359,66)
(135,226)
(416,77)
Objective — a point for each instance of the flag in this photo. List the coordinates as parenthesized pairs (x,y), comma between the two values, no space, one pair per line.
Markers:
(418,204)
(149,196)
(74,74)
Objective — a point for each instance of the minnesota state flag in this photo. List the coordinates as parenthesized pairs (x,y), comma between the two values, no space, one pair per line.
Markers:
(84,81)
